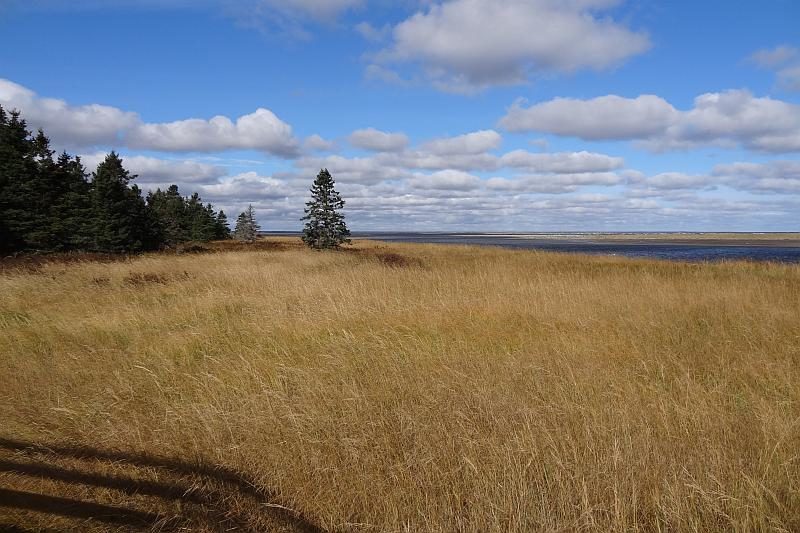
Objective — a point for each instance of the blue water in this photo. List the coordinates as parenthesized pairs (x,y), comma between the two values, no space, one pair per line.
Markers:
(753,251)
(583,243)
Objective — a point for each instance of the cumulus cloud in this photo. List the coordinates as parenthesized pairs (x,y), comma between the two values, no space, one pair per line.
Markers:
(564,162)
(554,183)
(98,125)
(261,130)
(154,170)
(378,141)
(446,180)
(601,118)
(678,180)
(771,177)
(67,125)
(466,45)
(249,187)
(476,142)
(365,170)
(316,143)
(731,118)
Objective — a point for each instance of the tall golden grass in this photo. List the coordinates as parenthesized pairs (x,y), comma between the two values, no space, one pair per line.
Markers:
(429,388)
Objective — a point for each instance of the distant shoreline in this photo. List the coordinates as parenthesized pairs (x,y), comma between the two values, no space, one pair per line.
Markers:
(756,239)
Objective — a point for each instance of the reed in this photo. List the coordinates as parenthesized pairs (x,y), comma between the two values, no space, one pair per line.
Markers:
(427,388)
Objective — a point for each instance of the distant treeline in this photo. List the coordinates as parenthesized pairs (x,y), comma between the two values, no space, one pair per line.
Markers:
(49,204)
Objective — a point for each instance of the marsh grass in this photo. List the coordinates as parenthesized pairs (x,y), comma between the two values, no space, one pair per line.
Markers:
(428,388)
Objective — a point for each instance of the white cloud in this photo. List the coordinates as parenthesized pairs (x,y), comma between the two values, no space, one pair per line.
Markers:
(554,183)
(446,180)
(261,130)
(316,143)
(250,187)
(154,170)
(678,180)
(378,141)
(96,125)
(601,118)
(365,170)
(465,45)
(564,162)
(468,144)
(66,125)
(771,177)
(731,118)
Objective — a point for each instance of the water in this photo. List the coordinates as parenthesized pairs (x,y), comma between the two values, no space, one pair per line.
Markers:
(709,250)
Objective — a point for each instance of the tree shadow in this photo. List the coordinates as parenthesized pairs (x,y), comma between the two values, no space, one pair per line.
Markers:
(228,480)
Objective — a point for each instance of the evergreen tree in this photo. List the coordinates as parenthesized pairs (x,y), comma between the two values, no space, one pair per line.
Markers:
(222,230)
(71,216)
(17,170)
(45,189)
(121,221)
(246,226)
(182,219)
(325,226)
(48,205)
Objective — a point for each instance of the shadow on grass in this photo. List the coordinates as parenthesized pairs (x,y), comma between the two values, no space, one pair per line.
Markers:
(229,480)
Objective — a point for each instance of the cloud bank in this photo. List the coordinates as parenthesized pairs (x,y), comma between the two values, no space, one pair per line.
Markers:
(733,118)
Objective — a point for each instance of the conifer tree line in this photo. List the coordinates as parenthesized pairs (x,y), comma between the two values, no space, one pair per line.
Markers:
(49,204)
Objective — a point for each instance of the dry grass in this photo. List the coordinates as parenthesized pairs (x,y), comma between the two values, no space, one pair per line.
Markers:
(418,387)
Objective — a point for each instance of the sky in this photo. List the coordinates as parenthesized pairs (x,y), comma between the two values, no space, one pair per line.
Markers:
(431,115)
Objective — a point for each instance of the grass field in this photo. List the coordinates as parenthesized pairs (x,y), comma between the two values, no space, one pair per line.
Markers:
(399,388)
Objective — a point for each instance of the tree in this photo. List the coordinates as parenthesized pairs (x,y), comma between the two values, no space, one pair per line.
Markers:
(48,205)
(222,230)
(121,221)
(71,223)
(246,226)
(325,226)
(18,171)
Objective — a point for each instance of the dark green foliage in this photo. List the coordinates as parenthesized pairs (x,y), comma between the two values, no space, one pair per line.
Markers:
(221,228)
(325,226)
(246,226)
(70,214)
(48,205)
(121,221)
(182,219)
(17,170)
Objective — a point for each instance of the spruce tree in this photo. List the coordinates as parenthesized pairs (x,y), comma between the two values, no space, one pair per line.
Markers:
(18,170)
(120,217)
(246,226)
(71,216)
(325,226)
(222,230)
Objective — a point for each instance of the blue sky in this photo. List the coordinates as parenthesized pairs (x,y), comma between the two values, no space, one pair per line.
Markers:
(481,115)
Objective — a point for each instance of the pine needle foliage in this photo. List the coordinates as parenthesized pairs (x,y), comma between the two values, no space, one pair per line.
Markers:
(325,226)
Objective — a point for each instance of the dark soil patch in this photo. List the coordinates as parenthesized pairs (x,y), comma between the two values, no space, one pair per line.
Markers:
(34,263)
(389,259)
